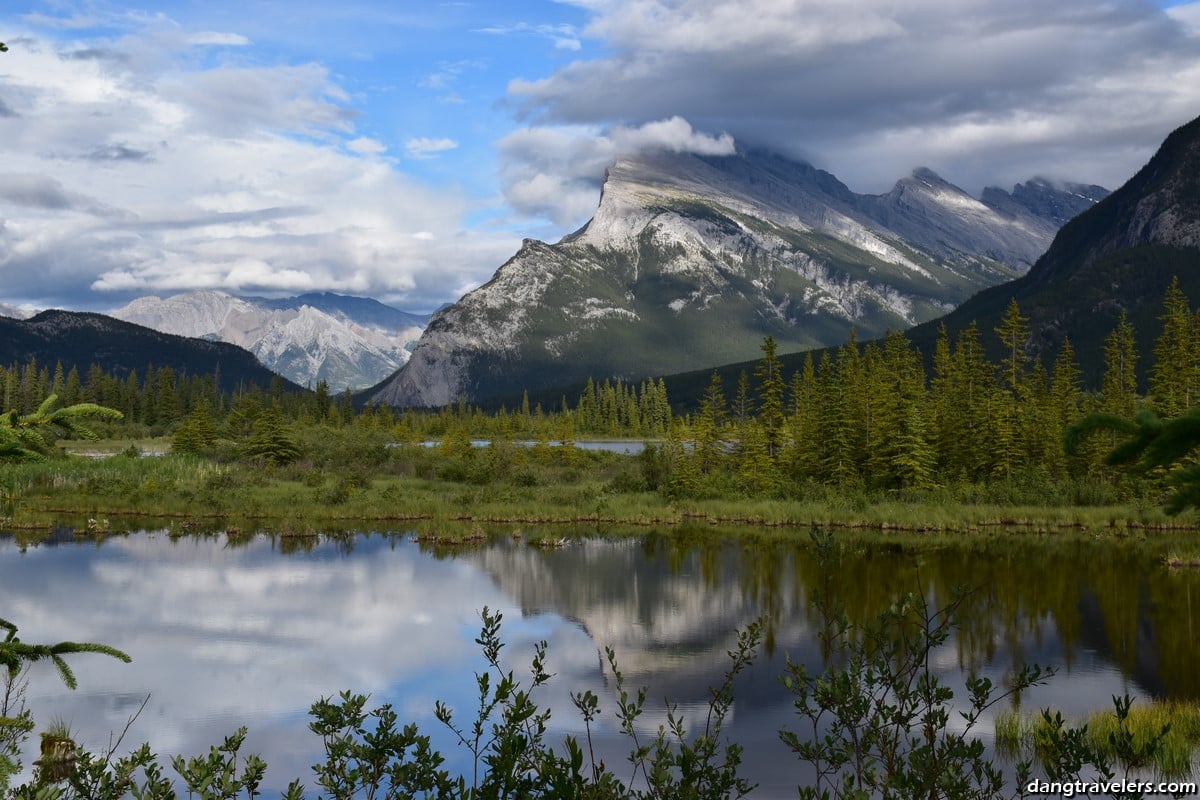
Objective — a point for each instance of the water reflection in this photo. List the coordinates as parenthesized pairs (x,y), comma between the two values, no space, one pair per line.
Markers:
(251,632)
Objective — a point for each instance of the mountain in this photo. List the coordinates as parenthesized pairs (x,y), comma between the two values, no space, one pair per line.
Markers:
(349,342)
(690,261)
(82,339)
(360,310)
(1119,255)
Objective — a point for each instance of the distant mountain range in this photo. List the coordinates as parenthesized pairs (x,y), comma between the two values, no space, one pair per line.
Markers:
(349,342)
(690,261)
(79,340)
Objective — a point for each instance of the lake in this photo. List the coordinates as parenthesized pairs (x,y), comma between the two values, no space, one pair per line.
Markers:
(228,633)
(627,447)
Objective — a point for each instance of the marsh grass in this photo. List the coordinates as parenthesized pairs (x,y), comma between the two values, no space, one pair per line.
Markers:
(1187,557)
(1019,733)
(352,478)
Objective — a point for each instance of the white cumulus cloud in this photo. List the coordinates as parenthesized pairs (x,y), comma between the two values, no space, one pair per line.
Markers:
(131,169)
(555,172)
(425,147)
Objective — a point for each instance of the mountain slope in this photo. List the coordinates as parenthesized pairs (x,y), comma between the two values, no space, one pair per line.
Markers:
(690,261)
(1120,255)
(81,339)
(345,341)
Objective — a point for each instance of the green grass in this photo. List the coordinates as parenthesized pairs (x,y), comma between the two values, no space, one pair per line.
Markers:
(513,485)
(1019,733)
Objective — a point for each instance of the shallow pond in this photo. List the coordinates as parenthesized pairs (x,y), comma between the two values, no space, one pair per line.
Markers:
(224,634)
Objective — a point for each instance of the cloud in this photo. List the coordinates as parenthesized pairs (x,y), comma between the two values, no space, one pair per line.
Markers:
(981,90)
(564,36)
(555,172)
(366,146)
(152,172)
(218,38)
(118,152)
(428,148)
(76,22)
(40,193)
(448,73)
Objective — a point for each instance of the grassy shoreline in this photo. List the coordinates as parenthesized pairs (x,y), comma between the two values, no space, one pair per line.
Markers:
(348,484)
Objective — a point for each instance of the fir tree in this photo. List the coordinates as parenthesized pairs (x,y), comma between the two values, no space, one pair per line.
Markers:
(770,396)
(1173,376)
(709,424)
(804,457)
(1014,336)
(271,440)
(1118,390)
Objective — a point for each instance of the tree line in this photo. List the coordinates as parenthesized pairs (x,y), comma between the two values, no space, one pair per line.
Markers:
(863,416)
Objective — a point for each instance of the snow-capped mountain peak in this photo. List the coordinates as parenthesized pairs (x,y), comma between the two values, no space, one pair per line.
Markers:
(303,343)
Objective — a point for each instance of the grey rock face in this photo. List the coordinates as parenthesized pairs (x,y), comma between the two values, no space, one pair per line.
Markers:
(690,261)
(300,341)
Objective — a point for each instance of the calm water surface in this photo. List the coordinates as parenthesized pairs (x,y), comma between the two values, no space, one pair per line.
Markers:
(224,635)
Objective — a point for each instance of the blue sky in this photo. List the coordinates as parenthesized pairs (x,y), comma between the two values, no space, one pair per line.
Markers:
(401,150)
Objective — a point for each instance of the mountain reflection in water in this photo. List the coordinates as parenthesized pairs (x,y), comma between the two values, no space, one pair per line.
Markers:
(224,634)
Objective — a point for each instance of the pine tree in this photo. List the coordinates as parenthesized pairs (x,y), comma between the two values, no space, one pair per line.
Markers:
(900,453)
(1014,336)
(73,389)
(837,422)
(804,457)
(972,398)
(1173,376)
(1066,399)
(709,425)
(915,460)
(756,470)
(271,439)
(743,408)
(196,433)
(770,396)
(944,418)
(1118,392)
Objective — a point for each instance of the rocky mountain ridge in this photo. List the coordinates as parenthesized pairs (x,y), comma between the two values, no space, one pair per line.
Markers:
(80,339)
(1118,256)
(689,261)
(348,342)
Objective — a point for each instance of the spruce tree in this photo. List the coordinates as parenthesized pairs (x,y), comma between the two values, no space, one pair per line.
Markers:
(804,456)
(710,422)
(1118,391)
(1014,336)
(770,396)
(1173,376)
(271,439)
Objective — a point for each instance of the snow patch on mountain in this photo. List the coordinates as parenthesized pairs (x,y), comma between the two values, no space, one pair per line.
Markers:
(690,260)
(304,344)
